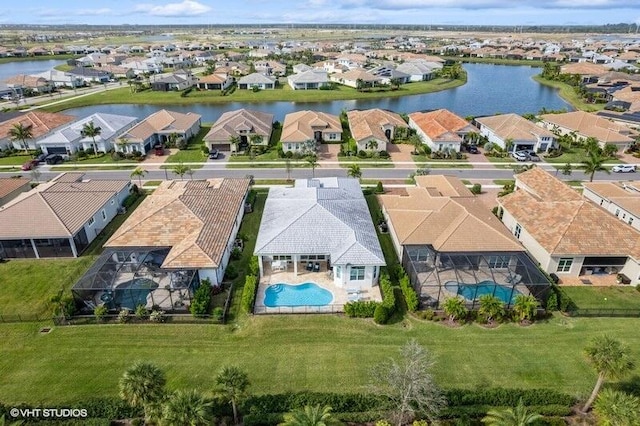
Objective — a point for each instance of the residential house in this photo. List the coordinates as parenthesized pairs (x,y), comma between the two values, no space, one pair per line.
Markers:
(61,79)
(270,68)
(27,83)
(320,221)
(91,75)
(389,74)
(11,187)
(567,234)
(586,70)
(588,125)
(40,123)
(173,82)
(236,130)
(69,139)
(358,78)
(156,129)
(440,129)
(372,129)
(313,79)
(260,81)
(71,211)
(621,199)
(146,66)
(300,68)
(516,132)
(303,130)
(451,244)
(216,81)
(419,70)
(118,71)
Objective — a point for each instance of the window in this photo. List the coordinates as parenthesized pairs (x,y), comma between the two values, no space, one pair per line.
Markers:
(104,215)
(617,212)
(91,221)
(564,265)
(338,271)
(312,257)
(281,257)
(375,272)
(517,230)
(357,273)
(333,136)
(498,262)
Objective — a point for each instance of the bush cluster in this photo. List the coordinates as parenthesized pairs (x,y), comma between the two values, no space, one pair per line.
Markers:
(201,299)
(409,293)
(360,308)
(130,200)
(249,293)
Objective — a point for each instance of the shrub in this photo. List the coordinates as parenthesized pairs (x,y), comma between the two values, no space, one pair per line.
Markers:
(388,296)
(124,316)
(360,309)
(201,299)
(379,188)
(204,149)
(157,316)
(218,313)
(253,268)
(236,253)
(141,312)
(116,156)
(362,154)
(130,200)
(565,302)
(552,301)
(100,311)
(476,189)
(384,154)
(249,293)
(231,273)
(410,295)
(381,314)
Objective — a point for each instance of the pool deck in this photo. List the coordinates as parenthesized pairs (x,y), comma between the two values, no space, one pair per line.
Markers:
(322,278)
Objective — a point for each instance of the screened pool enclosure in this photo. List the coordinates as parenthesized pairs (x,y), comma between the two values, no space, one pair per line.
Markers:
(438,276)
(129,278)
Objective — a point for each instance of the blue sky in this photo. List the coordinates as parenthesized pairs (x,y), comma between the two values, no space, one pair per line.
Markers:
(423,12)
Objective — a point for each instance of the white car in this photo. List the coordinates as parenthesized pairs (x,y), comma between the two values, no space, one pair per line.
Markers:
(520,155)
(7,97)
(623,168)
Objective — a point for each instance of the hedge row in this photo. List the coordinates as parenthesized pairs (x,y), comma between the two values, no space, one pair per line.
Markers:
(559,300)
(249,293)
(270,419)
(285,402)
(388,296)
(360,308)
(410,295)
(97,409)
(253,268)
(479,411)
(507,397)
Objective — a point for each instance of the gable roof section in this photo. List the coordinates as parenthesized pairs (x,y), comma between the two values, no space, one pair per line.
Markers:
(162,121)
(320,216)
(368,123)
(310,76)
(513,126)
(625,195)
(40,122)
(230,122)
(591,125)
(194,218)
(298,126)
(441,124)
(257,78)
(8,185)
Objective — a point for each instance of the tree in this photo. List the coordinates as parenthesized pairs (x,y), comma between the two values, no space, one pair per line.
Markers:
(234,141)
(139,172)
(611,359)
(594,163)
(417,144)
(89,130)
(354,171)
(592,146)
(172,140)
(254,141)
(408,384)
(312,160)
(394,82)
(567,169)
(525,307)
(181,169)
(186,408)
(518,416)
(610,150)
(310,416)
(22,133)
(121,143)
(508,144)
(615,408)
(491,306)
(232,384)
(359,84)
(142,385)
(455,308)
(372,145)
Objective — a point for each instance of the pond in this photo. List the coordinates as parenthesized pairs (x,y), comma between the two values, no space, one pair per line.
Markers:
(11,69)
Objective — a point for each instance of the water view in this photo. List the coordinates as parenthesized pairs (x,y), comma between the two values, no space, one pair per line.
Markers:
(11,69)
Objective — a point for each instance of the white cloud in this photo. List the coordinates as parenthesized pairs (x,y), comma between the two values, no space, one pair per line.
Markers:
(185,8)
(94,12)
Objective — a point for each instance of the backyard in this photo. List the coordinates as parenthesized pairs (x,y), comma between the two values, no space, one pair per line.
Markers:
(618,297)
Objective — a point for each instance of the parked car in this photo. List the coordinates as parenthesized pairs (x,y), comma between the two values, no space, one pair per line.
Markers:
(7,97)
(214,154)
(30,165)
(473,149)
(623,168)
(533,156)
(53,159)
(520,155)
(40,158)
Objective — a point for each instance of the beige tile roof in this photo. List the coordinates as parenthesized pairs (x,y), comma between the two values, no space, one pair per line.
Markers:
(441,124)
(584,68)
(368,123)
(194,218)
(299,126)
(443,213)
(40,122)
(56,209)
(588,124)
(27,81)
(568,225)
(357,74)
(546,187)
(231,122)
(162,121)
(625,194)
(7,186)
(213,78)
(513,126)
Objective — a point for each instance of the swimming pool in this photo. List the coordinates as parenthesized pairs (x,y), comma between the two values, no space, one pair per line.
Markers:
(132,293)
(306,294)
(474,291)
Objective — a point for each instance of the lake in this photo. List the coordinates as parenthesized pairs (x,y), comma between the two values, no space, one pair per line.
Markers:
(490,89)
(11,69)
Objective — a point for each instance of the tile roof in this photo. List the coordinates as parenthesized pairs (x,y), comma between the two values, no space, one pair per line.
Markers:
(231,122)
(111,125)
(590,125)
(311,76)
(368,123)
(441,124)
(213,78)
(257,78)
(26,81)
(194,218)
(623,194)
(564,223)
(357,74)
(162,121)
(8,185)
(584,68)
(40,122)
(59,208)
(440,211)
(513,126)
(320,216)
(299,126)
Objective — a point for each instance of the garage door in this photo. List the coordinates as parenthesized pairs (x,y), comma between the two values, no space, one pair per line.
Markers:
(57,150)
(222,146)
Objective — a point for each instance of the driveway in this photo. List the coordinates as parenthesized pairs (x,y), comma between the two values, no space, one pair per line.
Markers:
(401,153)
(328,152)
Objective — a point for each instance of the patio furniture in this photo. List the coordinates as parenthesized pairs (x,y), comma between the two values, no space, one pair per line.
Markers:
(316,267)
(310,266)
(353,290)
(514,279)
(353,297)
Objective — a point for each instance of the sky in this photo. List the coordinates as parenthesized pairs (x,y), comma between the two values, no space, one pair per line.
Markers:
(421,12)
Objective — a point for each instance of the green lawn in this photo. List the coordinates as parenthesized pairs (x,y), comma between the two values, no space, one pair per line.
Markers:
(422,158)
(101,159)
(193,153)
(575,155)
(616,297)
(289,352)
(569,94)
(508,159)
(15,160)
(497,61)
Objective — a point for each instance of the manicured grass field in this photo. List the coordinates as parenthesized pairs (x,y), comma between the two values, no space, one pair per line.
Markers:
(15,160)
(285,352)
(193,153)
(575,155)
(568,94)
(617,297)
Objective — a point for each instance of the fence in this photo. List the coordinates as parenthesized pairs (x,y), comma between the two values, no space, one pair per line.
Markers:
(606,312)
(24,318)
(326,309)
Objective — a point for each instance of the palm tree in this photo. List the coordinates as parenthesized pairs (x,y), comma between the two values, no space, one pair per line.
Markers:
(172,139)
(232,385)
(416,142)
(518,416)
(394,82)
(309,416)
(594,163)
(592,146)
(508,144)
(22,133)
(142,385)
(372,145)
(615,408)
(5,422)
(234,141)
(139,172)
(455,308)
(312,160)
(611,359)
(525,306)
(186,408)
(491,306)
(359,84)
(181,169)
(89,130)
(122,142)
(354,171)
(254,141)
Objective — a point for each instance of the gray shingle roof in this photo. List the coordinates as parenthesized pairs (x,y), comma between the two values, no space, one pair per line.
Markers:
(320,216)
